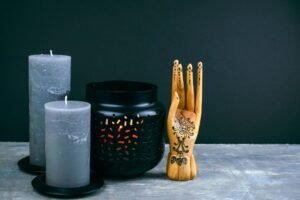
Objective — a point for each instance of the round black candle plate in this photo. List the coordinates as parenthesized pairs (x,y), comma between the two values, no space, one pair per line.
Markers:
(25,166)
(39,184)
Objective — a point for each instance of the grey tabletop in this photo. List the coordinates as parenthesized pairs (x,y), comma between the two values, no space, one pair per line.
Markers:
(226,172)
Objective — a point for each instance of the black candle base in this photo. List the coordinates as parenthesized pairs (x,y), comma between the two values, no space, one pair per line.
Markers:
(25,166)
(39,184)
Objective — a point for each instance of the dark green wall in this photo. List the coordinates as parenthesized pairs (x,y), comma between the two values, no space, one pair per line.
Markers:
(250,51)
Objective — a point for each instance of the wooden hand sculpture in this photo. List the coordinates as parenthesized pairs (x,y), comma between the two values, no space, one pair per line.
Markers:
(183,123)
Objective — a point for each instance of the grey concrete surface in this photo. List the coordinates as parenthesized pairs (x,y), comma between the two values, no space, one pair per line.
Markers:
(227,172)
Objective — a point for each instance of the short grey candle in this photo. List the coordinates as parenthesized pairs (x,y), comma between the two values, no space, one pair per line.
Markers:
(49,80)
(67,143)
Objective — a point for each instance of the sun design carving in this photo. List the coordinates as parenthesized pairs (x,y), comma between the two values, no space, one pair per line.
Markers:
(183,128)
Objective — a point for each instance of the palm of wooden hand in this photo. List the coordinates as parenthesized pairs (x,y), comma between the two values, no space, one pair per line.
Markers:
(183,124)
(184,130)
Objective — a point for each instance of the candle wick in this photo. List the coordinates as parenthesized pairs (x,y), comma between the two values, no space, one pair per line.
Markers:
(66,99)
(51,53)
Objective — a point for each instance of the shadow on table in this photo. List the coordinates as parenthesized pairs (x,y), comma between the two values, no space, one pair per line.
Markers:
(147,175)
(154,175)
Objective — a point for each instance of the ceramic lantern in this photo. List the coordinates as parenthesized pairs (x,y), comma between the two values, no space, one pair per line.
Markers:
(127,127)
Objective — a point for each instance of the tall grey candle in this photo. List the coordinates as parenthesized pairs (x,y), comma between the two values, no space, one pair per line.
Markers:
(49,80)
(67,143)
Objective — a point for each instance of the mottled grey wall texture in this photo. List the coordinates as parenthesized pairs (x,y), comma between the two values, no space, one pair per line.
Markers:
(250,50)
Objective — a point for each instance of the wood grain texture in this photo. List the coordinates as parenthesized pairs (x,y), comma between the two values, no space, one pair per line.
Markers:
(183,123)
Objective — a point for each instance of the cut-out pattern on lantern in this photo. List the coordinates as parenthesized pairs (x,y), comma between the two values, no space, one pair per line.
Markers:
(118,136)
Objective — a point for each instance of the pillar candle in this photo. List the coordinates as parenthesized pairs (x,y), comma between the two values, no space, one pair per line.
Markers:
(67,140)
(49,80)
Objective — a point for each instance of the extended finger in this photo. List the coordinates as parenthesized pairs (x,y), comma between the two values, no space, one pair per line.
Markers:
(172,110)
(198,108)
(190,88)
(180,87)
(174,78)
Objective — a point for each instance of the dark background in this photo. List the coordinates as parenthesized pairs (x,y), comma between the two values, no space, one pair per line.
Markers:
(250,50)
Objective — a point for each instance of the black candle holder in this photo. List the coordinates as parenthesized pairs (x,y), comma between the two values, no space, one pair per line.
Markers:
(25,166)
(127,128)
(40,185)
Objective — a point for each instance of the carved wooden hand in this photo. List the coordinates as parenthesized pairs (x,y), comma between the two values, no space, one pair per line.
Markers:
(183,123)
